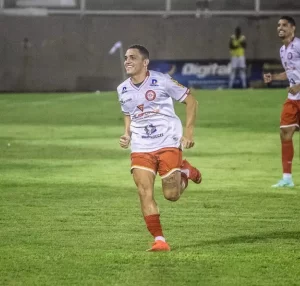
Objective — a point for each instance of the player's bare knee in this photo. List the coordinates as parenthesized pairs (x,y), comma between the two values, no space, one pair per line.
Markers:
(172,195)
(145,191)
(144,182)
(171,186)
(286,134)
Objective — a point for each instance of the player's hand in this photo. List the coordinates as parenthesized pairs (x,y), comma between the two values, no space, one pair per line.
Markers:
(187,142)
(267,77)
(294,89)
(124,141)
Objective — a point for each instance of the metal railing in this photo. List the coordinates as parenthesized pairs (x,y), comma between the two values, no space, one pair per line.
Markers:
(202,9)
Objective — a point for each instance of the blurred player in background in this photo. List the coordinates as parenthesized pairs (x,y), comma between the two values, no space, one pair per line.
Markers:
(289,122)
(237,46)
(155,134)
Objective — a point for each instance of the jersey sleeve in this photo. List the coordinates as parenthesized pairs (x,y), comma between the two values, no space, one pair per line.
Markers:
(297,48)
(123,108)
(176,90)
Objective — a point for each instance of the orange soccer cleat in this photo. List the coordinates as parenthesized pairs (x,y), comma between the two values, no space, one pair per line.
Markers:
(160,245)
(191,172)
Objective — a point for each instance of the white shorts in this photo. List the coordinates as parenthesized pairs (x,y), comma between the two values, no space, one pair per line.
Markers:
(238,62)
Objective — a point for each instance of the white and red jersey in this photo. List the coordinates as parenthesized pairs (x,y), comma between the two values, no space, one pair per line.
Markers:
(290,58)
(154,124)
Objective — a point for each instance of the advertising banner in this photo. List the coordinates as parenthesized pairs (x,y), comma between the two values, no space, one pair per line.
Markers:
(214,74)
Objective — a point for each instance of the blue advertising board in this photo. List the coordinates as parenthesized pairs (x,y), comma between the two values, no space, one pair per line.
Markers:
(214,74)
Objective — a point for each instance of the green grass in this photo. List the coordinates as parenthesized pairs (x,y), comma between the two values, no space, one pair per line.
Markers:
(70,215)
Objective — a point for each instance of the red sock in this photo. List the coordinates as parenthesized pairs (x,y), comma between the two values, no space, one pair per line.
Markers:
(287,154)
(153,225)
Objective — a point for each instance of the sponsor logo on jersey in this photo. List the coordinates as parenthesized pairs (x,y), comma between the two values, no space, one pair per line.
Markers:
(124,89)
(124,101)
(154,82)
(150,95)
(150,130)
(141,107)
(144,115)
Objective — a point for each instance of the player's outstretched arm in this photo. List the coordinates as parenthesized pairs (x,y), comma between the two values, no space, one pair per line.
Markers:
(191,113)
(125,139)
(270,77)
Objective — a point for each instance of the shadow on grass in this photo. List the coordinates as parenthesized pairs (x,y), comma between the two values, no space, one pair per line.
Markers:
(25,152)
(244,239)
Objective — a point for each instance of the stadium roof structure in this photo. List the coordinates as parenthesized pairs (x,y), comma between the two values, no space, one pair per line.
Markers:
(164,8)
(45,3)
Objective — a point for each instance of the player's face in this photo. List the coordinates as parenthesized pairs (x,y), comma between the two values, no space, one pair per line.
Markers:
(134,62)
(285,29)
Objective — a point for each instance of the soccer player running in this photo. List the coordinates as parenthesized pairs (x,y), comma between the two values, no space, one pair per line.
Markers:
(289,121)
(155,134)
(237,46)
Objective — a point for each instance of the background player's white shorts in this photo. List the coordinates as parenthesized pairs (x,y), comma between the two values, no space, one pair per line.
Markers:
(238,62)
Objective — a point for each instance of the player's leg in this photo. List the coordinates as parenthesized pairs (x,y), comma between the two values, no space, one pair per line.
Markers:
(175,173)
(144,172)
(174,182)
(287,154)
(232,77)
(173,186)
(242,71)
(232,72)
(288,125)
(191,172)
(144,181)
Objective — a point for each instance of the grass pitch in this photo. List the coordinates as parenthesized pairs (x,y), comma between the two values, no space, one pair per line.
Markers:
(69,211)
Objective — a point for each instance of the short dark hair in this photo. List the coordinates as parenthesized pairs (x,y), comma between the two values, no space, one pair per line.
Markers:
(143,51)
(289,19)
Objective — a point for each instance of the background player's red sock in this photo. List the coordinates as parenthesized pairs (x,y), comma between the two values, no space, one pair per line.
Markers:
(287,154)
(153,225)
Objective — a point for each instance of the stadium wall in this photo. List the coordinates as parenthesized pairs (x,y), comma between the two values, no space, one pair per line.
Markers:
(69,53)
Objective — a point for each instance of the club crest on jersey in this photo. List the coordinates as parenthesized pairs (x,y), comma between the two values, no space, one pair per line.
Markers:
(141,107)
(290,56)
(154,82)
(150,95)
